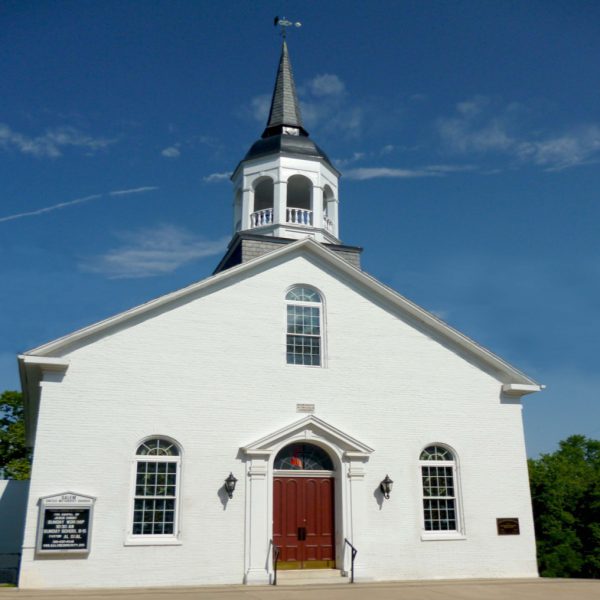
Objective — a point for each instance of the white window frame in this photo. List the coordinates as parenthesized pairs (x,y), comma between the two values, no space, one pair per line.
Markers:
(442,534)
(165,539)
(321,307)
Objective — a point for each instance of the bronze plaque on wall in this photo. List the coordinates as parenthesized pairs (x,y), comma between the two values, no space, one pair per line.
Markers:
(508,526)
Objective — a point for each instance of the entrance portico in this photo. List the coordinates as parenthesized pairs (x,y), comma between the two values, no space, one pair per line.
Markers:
(349,457)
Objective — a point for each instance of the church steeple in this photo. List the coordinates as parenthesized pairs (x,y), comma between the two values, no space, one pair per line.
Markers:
(285,188)
(284,116)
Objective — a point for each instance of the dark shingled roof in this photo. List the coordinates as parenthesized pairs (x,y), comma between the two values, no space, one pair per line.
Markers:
(285,112)
(285,109)
(287,144)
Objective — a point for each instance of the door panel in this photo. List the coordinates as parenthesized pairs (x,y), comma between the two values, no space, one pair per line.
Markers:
(303,522)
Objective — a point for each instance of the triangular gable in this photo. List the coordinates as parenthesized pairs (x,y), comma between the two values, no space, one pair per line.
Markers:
(309,427)
(506,372)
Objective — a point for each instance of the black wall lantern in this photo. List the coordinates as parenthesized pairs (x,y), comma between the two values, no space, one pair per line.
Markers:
(386,487)
(230,485)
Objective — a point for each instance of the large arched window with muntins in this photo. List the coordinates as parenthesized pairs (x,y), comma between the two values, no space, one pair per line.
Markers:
(304,327)
(157,463)
(438,478)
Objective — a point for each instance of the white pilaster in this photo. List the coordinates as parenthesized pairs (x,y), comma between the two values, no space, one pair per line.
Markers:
(257,521)
(357,502)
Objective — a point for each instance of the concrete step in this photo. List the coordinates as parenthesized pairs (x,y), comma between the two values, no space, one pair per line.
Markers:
(311,577)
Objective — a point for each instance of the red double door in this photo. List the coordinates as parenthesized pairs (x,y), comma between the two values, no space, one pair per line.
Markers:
(303,522)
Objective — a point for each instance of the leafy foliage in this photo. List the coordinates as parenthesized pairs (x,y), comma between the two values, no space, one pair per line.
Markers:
(565,489)
(15,457)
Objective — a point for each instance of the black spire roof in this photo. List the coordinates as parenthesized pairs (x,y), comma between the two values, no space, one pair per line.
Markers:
(285,109)
(285,113)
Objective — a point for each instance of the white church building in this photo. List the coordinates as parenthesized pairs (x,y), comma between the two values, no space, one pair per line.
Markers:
(275,415)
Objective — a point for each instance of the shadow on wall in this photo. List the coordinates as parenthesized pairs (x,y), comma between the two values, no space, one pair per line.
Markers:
(13,504)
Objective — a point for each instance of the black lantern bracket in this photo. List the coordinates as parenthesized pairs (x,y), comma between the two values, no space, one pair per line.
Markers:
(386,487)
(230,485)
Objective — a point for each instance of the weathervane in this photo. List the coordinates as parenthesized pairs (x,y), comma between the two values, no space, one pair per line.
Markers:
(284,23)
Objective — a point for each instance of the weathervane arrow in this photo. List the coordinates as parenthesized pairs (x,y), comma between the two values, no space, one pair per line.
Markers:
(284,24)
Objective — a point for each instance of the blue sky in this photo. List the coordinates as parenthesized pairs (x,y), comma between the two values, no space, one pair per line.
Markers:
(468,135)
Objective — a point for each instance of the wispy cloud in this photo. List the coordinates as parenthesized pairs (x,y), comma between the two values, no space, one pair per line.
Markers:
(327,84)
(47,209)
(259,108)
(356,156)
(151,252)
(365,173)
(52,142)
(68,203)
(214,177)
(171,152)
(327,106)
(478,126)
(137,190)
(578,147)
(482,125)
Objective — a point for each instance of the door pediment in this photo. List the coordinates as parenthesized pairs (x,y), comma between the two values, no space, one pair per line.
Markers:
(313,429)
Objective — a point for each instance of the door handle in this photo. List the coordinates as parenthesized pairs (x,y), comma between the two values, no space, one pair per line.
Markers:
(301,534)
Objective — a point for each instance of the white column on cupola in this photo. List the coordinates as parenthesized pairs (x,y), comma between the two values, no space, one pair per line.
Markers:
(279,201)
(247,207)
(317,207)
(333,214)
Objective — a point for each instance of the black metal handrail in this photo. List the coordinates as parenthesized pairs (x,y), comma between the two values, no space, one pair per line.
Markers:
(354,553)
(276,551)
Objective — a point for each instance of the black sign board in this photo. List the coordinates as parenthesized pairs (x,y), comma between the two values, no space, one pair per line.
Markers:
(65,523)
(508,526)
(65,528)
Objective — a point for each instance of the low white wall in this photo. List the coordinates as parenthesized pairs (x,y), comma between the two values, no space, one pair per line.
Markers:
(13,505)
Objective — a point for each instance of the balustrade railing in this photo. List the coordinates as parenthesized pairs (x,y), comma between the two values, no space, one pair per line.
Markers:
(261,217)
(299,216)
(294,216)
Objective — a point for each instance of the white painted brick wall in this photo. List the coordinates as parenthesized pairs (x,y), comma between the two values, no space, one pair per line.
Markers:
(211,373)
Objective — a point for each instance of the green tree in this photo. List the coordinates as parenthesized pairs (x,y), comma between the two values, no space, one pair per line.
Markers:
(15,457)
(565,489)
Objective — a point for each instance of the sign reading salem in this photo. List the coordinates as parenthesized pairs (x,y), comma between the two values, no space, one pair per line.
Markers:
(65,523)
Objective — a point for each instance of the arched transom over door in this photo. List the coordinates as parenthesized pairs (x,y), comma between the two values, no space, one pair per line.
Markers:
(303,507)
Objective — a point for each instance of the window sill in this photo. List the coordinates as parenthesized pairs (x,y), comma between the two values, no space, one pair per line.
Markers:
(152,541)
(438,536)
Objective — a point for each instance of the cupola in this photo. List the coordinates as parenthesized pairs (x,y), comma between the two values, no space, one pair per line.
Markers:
(286,186)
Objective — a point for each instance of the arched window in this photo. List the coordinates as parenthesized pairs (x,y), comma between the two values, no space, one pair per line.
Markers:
(438,476)
(299,201)
(303,457)
(303,326)
(263,203)
(263,194)
(156,486)
(299,192)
